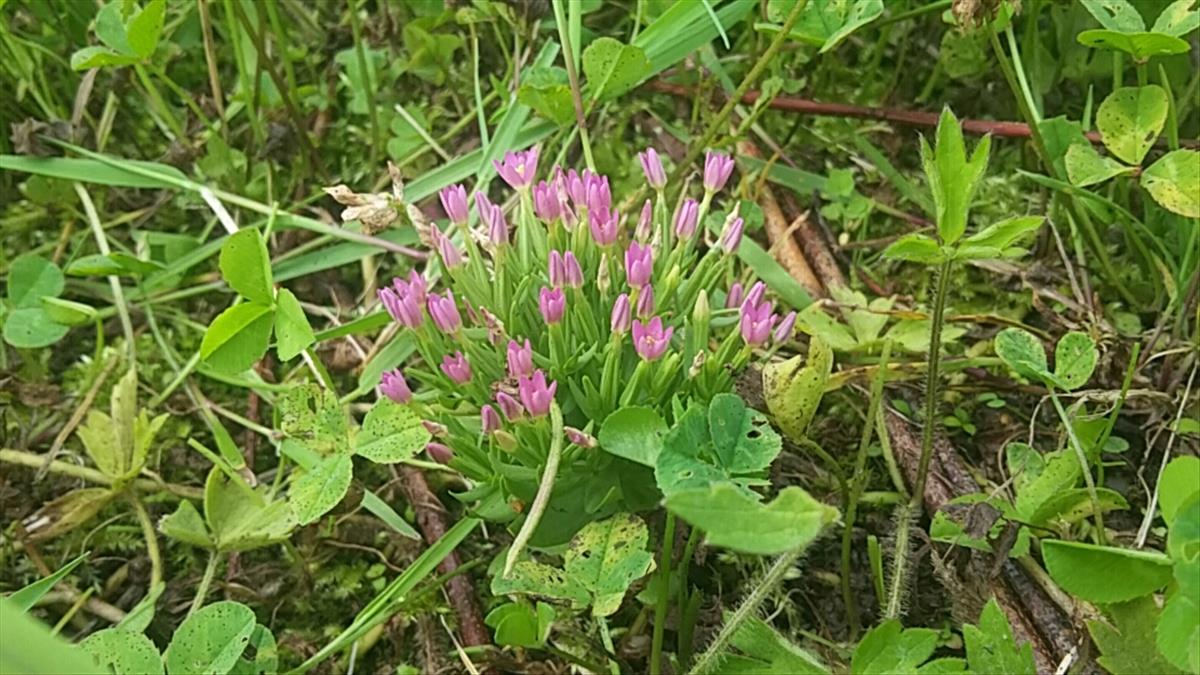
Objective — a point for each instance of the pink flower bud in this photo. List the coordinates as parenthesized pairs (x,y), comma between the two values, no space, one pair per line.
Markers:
(620,314)
(439,452)
(520,359)
(755,296)
(393,385)
(450,255)
(639,264)
(731,238)
(603,225)
(518,168)
(734,297)
(415,286)
(457,368)
(645,302)
(489,418)
(650,340)
(402,307)
(556,271)
(645,226)
(552,304)
(492,215)
(444,312)
(783,333)
(717,168)
(536,396)
(545,202)
(653,168)
(685,219)
(580,438)
(572,272)
(454,202)
(510,406)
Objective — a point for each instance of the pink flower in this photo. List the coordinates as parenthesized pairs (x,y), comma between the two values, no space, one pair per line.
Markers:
(520,359)
(639,264)
(545,201)
(731,238)
(645,302)
(489,418)
(653,168)
(620,314)
(717,168)
(510,406)
(454,202)
(415,286)
(786,327)
(450,255)
(576,186)
(518,168)
(685,219)
(756,293)
(555,270)
(535,395)
(734,297)
(572,272)
(757,321)
(444,312)
(598,195)
(403,307)
(439,452)
(603,225)
(552,303)
(580,438)
(650,340)
(492,216)
(645,226)
(457,368)
(393,385)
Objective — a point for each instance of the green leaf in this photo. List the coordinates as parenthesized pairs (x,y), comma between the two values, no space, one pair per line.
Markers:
(266,654)
(1074,360)
(145,28)
(94,171)
(315,417)
(515,624)
(115,263)
(772,273)
(246,266)
(1180,480)
(138,618)
(763,651)
(1178,19)
(1005,233)
(827,23)
(953,179)
(211,640)
(30,647)
(613,68)
(693,457)
(743,438)
(793,389)
(991,647)
(635,433)
(187,525)
(733,519)
(890,648)
(915,248)
(238,337)
(1130,119)
(99,57)
(1141,46)
(1060,472)
(119,443)
(320,489)
(1178,635)
(1075,504)
(1104,573)
(1127,640)
(32,328)
(546,91)
(292,332)
(1022,352)
(110,28)
(1087,167)
(1174,182)
(241,518)
(1118,15)
(816,322)
(387,514)
(28,596)
(30,278)
(123,652)
(866,318)
(391,433)
(68,313)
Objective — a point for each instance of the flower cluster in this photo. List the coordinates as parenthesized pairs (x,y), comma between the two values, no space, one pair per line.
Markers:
(569,294)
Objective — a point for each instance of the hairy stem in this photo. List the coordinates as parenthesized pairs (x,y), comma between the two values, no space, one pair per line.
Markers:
(932,374)
(545,487)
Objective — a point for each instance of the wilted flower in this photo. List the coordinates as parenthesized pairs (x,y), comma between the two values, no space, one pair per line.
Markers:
(580,438)
(639,264)
(757,321)
(717,168)
(510,406)
(731,238)
(572,272)
(457,368)
(784,331)
(653,168)
(439,452)
(552,303)
(444,312)
(492,216)
(645,302)
(518,168)
(393,385)
(620,314)
(520,359)
(454,202)
(685,219)
(489,418)
(650,340)
(535,394)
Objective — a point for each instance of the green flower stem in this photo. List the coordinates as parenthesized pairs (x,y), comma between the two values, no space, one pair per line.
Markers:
(542,499)
(1084,467)
(35,461)
(210,570)
(664,594)
(573,77)
(114,282)
(151,535)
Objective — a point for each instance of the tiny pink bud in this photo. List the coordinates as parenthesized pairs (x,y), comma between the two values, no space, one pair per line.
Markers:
(434,428)
(685,219)
(757,291)
(645,226)
(784,331)
(731,238)
(580,438)
(545,202)
(639,264)
(454,202)
(520,359)
(552,304)
(489,418)
(645,302)
(439,452)
(734,297)
(556,271)
(653,168)
(444,312)
(449,253)
(572,272)
(620,314)
(510,406)
(717,168)
(393,385)
(492,215)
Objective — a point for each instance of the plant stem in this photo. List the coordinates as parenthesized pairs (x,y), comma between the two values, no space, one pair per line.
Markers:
(361,57)
(542,499)
(151,535)
(858,478)
(573,77)
(210,570)
(114,282)
(664,594)
(931,385)
(35,461)
(1084,467)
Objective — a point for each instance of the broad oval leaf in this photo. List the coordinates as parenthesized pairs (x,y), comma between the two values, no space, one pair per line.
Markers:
(320,489)
(123,652)
(1178,19)
(293,334)
(1022,352)
(391,433)
(915,248)
(246,266)
(187,525)
(1105,574)
(1130,119)
(31,277)
(1140,46)
(237,338)
(743,438)
(1180,480)
(732,519)
(613,68)
(1085,166)
(1118,15)
(1174,182)
(211,640)
(241,518)
(635,433)
(32,328)
(145,27)
(890,648)
(1074,360)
